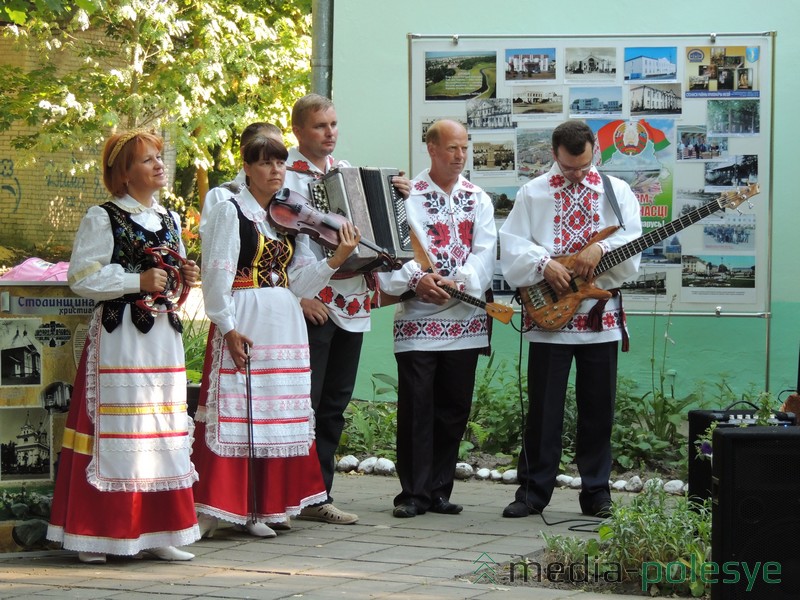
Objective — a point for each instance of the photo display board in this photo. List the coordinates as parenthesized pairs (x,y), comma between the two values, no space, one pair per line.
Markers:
(686,120)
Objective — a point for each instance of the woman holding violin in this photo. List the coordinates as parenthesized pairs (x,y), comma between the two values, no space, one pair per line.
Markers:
(254,442)
(125,478)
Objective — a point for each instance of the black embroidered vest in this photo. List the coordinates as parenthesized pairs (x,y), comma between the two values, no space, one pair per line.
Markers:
(262,260)
(130,240)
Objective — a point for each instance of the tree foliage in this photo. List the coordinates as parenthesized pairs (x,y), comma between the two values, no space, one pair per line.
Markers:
(198,70)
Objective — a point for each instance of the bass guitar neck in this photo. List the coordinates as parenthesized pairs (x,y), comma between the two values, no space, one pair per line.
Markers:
(551,310)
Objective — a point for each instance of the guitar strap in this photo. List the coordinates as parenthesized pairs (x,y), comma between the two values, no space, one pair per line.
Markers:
(597,310)
(612,198)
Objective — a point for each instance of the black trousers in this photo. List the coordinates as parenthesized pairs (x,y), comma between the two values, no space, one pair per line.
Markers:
(433,403)
(595,390)
(334,366)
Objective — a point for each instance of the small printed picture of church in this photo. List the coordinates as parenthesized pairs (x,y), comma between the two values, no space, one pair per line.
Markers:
(20,355)
(24,444)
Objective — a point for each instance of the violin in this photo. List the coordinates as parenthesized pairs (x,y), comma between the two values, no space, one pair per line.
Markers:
(291,214)
(176,290)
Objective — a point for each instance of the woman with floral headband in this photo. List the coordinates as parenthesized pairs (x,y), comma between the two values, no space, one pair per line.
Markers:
(124,481)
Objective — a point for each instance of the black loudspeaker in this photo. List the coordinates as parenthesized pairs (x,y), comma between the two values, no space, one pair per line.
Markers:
(699,422)
(755,513)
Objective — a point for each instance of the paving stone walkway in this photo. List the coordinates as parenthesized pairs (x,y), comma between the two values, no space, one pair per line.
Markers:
(428,557)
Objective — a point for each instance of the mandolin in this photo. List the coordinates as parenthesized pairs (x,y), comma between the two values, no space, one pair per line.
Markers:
(550,310)
(501,312)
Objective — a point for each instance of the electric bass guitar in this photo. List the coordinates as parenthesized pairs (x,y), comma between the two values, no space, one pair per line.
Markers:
(550,310)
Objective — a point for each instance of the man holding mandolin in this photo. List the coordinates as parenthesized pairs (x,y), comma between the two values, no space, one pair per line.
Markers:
(561,226)
(437,337)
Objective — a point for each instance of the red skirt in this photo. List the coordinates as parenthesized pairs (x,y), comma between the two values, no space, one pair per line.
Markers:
(283,486)
(86,519)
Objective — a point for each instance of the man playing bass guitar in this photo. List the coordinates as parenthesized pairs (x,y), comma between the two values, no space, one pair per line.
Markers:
(556,214)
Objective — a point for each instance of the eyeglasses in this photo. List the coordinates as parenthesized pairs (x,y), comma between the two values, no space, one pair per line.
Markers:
(577,171)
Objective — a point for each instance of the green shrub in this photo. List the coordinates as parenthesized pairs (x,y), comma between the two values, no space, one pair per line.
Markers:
(652,528)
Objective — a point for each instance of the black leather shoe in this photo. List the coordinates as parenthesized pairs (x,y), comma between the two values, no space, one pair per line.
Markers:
(519,509)
(601,508)
(405,511)
(445,507)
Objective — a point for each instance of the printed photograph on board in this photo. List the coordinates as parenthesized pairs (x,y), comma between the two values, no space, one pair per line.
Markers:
(537,101)
(57,396)
(24,444)
(715,228)
(656,99)
(590,64)
(702,274)
(20,353)
(534,152)
(651,63)
(489,113)
(735,117)
(451,75)
(493,154)
(588,101)
(530,64)
(732,172)
(694,144)
(722,71)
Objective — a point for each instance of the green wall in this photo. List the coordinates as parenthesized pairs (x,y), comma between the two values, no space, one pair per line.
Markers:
(370,89)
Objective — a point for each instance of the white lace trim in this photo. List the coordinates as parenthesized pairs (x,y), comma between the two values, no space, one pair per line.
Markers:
(290,511)
(148,445)
(91,364)
(147,379)
(126,547)
(209,414)
(141,485)
(180,444)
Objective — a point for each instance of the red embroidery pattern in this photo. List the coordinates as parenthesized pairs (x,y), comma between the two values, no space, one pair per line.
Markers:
(450,229)
(301,165)
(577,206)
(427,329)
(359,303)
(420,185)
(354,306)
(580,323)
(439,234)
(465,229)
(557,181)
(593,177)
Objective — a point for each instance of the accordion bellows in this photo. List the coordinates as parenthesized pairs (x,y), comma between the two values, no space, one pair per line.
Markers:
(367,198)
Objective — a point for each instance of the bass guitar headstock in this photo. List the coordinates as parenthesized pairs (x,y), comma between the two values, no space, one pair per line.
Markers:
(735,197)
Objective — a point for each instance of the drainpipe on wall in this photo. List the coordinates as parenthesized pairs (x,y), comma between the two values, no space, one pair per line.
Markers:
(321,47)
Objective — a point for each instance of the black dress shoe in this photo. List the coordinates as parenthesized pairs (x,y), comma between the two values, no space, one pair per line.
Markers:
(445,507)
(519,509)
(601,508)
(405,511)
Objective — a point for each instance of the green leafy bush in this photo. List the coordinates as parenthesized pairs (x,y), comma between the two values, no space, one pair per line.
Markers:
(654,528)
(371,426)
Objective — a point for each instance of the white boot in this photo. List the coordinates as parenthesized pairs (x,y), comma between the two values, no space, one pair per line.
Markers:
(207,524)
(260,529)
(170,553)
(92,558)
